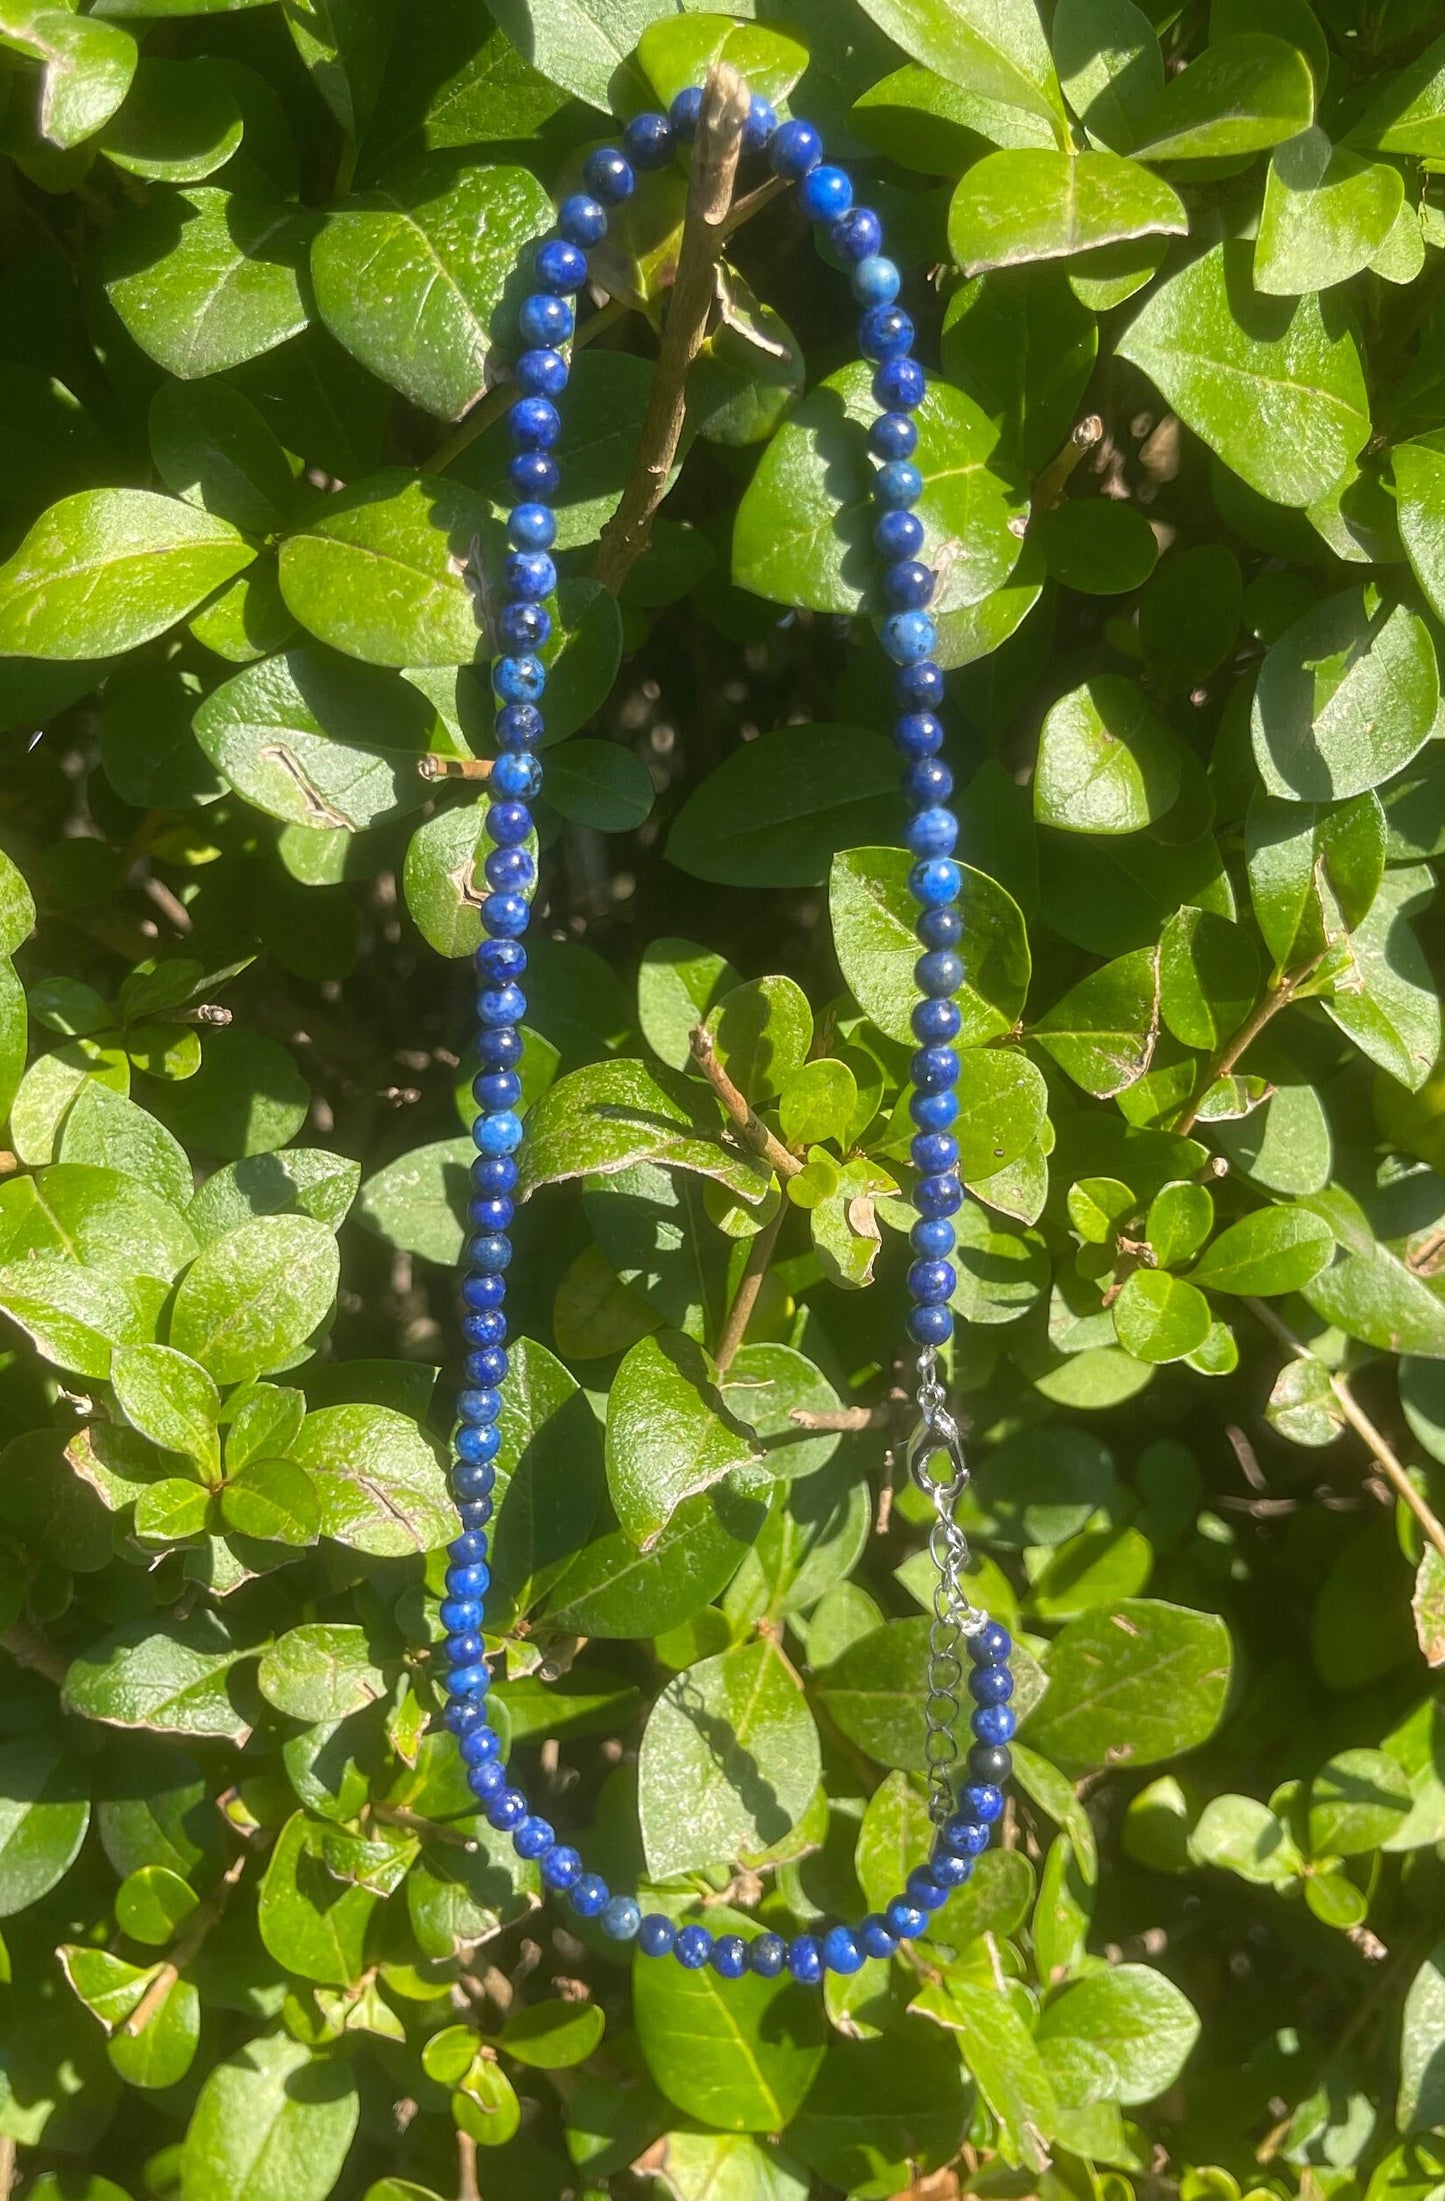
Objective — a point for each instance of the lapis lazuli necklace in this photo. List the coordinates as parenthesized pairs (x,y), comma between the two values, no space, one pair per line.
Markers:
(962,1639)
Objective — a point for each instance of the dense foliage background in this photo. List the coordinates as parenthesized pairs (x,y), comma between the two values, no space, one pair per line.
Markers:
(1180,268)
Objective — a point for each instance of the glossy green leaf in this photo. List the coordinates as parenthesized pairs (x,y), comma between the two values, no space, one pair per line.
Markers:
(1107,762)
(1037,205)
(86,67)
(170,1680)
(667,1435)
(180,122)
(1345,697)
(1136,2016)
(605,1117)
(1274,1250)
(1102,1032)
(1158,1317)
(1326,214)
(204,279)
(110,568)
(729,1761)
(1241,95)
(778,810)
(255,1295)
(1154,1673)
(270,2118)
(996,51)
(740,2055)
(873,937)
(379,572)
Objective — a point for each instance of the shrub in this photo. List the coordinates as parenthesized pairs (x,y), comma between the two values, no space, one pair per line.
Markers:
(1178,270)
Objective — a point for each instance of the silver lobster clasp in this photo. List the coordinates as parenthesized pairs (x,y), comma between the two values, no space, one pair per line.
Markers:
(938,1436)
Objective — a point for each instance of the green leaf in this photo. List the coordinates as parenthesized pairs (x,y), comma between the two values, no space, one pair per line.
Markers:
(819,1101)
(729,1761)
(1346,696)
(1189,615)
(923,122)
(1096,545)
(1272,1251)
(108,569)
(1179,1220)
(320,1671)
(667,1437)
(417,1202)
(311,1920)
(1242,95)
(723,2166)
(999,2050)
(1243,1836)
(678,982)
(1208,978)
(1326,215)
(300,1181)
(204,279)
(740,2055)
(1386,1000)
(168,1398)
(881,2111)
(151,1903)
(410,276)
(1137,2017)
(552,2036)
(1421,2100)
(1109,66)
(1274,388)
(253,1298)
(271,1500)
(169,1679)
(44,1815)
(613,1590)
(676,51)
(272,2118)
(1371,1295)
(1314,871)
(379,1478)
(1102,1032)
(1132,1682)
(804,527)
(1409,115)
(212,447)
(608,1115)
(161,2052)
(1037,205)
(995,48)
(1419,470)
(1159,1317)
(1107,762)
(873,918)
(181,121)
(378,573)
(600,784)
(761,1032)
(780,808)
(1023,348)
(1002,1105)
(1356,1803)
(86,67)
(1096,1568)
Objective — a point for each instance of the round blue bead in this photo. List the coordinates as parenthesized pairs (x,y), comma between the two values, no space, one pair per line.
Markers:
(990,1645)
(656,1934)
(949,1870)
(908,583)
(876,281)
(480,1292)
(931,1282)
(470,1578)
(545,320)
(730,1956)
(477,1448)
(509,870)
(856,235)
(582,220)
(925,1891)
(532,526)
(487,1367)
(465,1551)
(480,1407)
(898,535)
(936,880)
(460,1615)
(991,1684)
(795,150)
(523,627)
(906,636)
(874,1937)
(530,573)
(491,1216)
(825,193)
(503,961)
(516,774)
(490,1255)
(522,679)
(903,1918)
(933,1111)
(534,424)
(805,1959)
(684,111)
(508,823)
(899,385)
(932,1152)
(933,1238)
(982,1801)
(841,1952)
(561,1867)
(918,686)
(479,1745)
(472,1481)
(504,1006)
(506,914)
(930,1325)
(484,1326)
(462,1652)
(937,1195)
(927,780)
(560,265)
(533,474)
(591,1895)
(471,1679)
(767,1954)
(935,1019)
(649,141)
(499,1134)
(897,485)
(939,973)
(919,734)
(621,1918)
(532,1837)
(940,928)
(506,1809)
(934,1067)
(476,1515)
(542,373)
(692,1947)
(499,1047)
(932,832)
(893,436)
(487,1781)
(762,121)
(608,175)
(519,726)
(494,1173)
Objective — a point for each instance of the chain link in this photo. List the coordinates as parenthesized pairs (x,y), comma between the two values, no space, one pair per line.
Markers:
(954,1617)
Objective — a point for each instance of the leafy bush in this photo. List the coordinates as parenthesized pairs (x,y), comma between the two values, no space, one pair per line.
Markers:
(1185,486)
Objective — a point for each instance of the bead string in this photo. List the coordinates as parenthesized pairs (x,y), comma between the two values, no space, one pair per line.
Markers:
(523,626)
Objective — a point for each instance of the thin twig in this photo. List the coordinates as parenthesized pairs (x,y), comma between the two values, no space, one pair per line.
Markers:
(202,1919)
(1052,480)
(1376,1443)
(716,145)
(750,1283)
(8,2169)
(746,1121)
(393,1815)
(434,767)
(467,2187)
(847,1420)
(1276,996)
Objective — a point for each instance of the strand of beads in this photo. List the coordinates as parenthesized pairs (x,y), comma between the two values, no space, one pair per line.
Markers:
(523,627)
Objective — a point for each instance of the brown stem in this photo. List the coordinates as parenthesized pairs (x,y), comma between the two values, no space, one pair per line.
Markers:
(497,400)
(432,767)
(847,1420)
(750,1283)
(395,1816)
(467,2187)
(1376,1443)
(746,1121)
(202,1919)
(1052,480)
(715,148)
(1277,996)
(8,2168)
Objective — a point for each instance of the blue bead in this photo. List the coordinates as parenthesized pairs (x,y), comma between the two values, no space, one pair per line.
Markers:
(825,193)
(508,824)
(532,526)
(933,1152)
(991,1644)
(795,150)
(656,1934)
(899,385)
(608,175)
(919,734)
(542,373)
(898,535)
(471,1579)
(462,1615)
(500,1134)
(925,1891)
(761,123)
(480,1407)
(932,832)
(488,1366)
(906,636)
(503,1006)
(621,1918)
(897,485)
(937,880)
(934,1067)
(649,141)
(463,1652)
(805,1959)
(467,1681)
(545,320)
(841,1952)
(856,235)
(730,1956)
(937,1195)
(503,961)
(933,1111)
(935,1020)
(582,220)
(903,1918)
(534,424)
(464,1716)
(939,972)
(927,780)
(499,1047)
(509,870)
(591,1895)
(561,1867)
(560,265)
(487,1781)
(483,1326)
(532,1837)
(982,1801)
(893,436)
(931,1282)
(950,1870)
(874,1937)
(684,111)
(991,1684)
(520,726)
(494,1173)
(521,679)
(876,281)
(479,1745)
(477,1515)
(930,1325)
(495,1089)
(908,583)
(506,914)
(940,928)
(516,774)
(523,627)
(692,1947)
(767,1954)
(933,1238)
(490,1255)
(533,474)
(918,686)
(530,573)
(465,1551)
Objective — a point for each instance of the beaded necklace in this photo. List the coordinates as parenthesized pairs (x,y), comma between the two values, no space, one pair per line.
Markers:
(961,1637)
